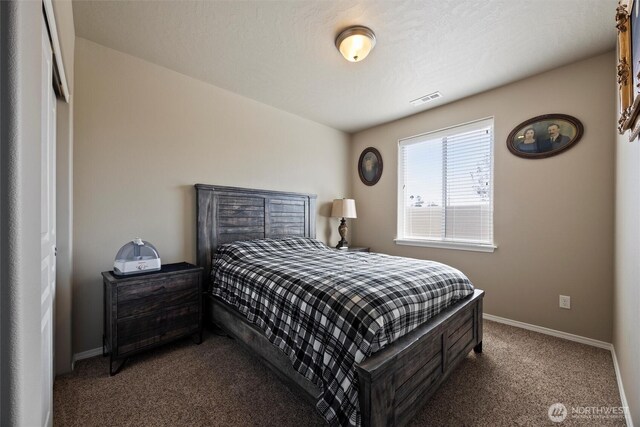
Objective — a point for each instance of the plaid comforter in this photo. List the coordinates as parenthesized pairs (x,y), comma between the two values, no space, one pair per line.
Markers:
(328,310)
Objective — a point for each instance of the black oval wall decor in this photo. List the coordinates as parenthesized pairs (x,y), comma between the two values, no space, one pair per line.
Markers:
(370,166)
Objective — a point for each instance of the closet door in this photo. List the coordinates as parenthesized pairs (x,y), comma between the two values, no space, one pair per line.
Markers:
(47,227)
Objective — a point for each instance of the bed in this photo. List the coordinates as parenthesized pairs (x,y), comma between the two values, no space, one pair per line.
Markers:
(393,380)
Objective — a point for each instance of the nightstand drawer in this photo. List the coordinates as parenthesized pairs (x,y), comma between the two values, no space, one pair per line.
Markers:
(134,300)
(156,287)
(138,332)
(359,249)
(355,249)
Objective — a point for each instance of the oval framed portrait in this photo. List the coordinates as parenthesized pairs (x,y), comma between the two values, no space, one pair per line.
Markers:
(370,166)
(544,136)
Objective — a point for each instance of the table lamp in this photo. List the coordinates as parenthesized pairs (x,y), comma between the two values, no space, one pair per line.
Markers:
(343,208)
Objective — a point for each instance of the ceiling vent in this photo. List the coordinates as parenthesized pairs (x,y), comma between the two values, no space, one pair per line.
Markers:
(427,98)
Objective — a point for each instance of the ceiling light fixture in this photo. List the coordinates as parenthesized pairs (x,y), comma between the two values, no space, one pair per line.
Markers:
(355,43)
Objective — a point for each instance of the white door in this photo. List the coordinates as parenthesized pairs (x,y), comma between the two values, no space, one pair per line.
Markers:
(47,227)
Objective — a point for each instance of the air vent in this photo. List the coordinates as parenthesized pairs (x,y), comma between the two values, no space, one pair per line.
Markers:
(427,98)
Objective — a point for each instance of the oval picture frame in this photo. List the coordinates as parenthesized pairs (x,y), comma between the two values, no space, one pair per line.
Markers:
(370,166)
(544,136)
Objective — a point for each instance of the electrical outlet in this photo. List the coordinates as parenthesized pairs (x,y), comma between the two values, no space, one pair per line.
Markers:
(565,301)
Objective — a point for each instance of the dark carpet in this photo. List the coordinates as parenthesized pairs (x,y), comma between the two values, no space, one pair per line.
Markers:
(512,383)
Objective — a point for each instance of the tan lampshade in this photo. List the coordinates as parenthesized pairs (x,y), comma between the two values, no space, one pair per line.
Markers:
(344,208)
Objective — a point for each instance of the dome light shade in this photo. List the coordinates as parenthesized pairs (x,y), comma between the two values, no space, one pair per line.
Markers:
(355,43)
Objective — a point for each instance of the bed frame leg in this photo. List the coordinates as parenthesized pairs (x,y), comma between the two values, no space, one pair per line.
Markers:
(478,347)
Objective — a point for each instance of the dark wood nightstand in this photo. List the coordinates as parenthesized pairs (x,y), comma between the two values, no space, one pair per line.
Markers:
(355,249)
(145,310)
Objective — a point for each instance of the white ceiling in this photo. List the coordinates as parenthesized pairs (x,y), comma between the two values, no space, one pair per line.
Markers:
(282,53)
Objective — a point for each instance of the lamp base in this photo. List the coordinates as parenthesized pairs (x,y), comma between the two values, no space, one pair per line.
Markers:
(342,244)
(342,229)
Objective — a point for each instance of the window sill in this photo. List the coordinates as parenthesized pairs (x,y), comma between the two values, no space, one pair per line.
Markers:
(460,246)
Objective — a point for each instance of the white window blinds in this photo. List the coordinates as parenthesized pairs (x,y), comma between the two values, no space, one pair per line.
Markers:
(446,185)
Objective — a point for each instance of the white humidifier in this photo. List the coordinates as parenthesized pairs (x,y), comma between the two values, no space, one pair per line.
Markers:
(137,256)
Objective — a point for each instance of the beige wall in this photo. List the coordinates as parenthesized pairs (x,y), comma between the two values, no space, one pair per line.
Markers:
(144,135)
(553,217)
(626,304)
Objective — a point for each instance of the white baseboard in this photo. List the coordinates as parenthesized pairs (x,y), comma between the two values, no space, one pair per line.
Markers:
(547,331)
(85,355)
(623,397)
(576,338)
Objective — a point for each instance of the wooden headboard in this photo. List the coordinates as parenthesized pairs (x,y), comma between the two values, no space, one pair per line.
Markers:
(228,214)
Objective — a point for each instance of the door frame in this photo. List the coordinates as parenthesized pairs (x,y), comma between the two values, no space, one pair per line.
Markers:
(20,247)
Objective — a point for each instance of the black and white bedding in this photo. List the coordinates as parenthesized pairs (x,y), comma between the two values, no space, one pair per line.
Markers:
(328,310)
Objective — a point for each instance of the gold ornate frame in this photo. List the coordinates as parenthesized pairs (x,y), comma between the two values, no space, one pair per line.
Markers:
(629,99)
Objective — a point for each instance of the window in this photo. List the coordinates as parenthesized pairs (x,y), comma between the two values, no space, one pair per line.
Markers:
(445,194)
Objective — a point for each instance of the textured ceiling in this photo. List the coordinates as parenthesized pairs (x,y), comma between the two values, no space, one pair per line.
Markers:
(282,53)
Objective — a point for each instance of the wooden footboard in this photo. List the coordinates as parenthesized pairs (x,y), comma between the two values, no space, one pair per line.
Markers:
(396,381)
